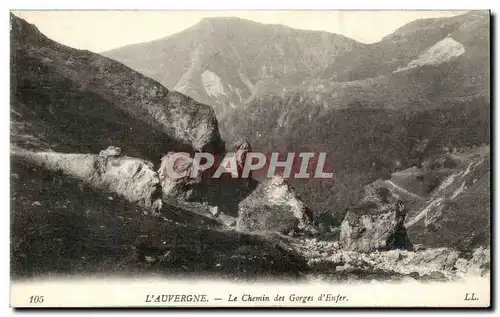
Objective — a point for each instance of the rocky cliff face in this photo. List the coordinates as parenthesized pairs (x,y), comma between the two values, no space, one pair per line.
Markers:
(89,101)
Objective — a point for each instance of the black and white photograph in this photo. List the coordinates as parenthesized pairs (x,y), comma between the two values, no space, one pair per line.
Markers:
(250,158)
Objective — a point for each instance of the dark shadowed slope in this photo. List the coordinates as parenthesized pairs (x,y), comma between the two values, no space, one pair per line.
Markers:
(68,99)
(61,226)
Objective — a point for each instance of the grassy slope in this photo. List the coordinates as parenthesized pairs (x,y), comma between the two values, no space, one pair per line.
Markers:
(59,226)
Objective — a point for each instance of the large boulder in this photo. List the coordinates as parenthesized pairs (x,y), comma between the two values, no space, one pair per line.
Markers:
(377,223)
(131,178)
(274,206)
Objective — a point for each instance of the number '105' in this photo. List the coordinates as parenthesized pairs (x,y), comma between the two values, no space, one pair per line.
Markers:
(36,299)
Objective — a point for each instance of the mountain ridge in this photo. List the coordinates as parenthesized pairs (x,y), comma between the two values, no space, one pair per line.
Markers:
(247,57)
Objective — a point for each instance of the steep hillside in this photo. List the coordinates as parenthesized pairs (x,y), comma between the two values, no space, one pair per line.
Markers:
(427,119)
(60,225)
(67,99)
(225,62)
(458,212)
(415,40)
(447,199)
(436,91)
(362,144)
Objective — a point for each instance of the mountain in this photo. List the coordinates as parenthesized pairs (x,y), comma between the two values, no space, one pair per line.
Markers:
(225,62)
(424,63)
(229,62)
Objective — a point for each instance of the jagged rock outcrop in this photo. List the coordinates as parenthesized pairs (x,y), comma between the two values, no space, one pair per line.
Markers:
(103,101)
(274,206)
(132,178)
(377,223)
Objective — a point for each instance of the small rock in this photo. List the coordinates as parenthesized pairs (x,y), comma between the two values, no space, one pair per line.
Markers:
(214,211)
(36,203)
(414,275)
(111,151)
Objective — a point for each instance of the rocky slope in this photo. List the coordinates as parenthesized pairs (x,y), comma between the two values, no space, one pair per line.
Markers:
(71,99)
(458,212)
(328,261)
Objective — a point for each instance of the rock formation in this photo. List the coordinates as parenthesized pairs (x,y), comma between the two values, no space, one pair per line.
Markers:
(111,151)
(132,178)
(182,186)
(242,148)
(377,223)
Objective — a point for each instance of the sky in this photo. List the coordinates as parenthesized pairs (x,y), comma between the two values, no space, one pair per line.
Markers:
(99,31)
